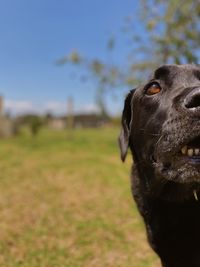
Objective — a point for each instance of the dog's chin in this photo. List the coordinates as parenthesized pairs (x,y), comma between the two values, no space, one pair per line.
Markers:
(180,177)
(180,170)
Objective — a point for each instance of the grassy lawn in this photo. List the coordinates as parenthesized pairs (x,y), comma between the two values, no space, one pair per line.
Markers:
(65,201)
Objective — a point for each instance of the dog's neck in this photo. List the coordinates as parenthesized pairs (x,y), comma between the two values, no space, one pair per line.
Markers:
(173,227)
(176,228)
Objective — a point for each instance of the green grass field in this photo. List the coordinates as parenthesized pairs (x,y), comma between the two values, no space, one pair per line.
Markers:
(65,201)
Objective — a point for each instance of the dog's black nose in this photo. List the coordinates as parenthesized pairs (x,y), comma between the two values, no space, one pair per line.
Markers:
(192,100)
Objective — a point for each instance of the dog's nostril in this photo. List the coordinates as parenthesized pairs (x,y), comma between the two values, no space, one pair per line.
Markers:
(193,102)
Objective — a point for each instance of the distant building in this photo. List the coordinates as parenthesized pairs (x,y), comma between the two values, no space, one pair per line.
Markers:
(57,123)
(89,121)
(6,127)
(79,121)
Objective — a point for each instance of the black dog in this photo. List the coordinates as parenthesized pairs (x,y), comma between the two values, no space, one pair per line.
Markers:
(161,125)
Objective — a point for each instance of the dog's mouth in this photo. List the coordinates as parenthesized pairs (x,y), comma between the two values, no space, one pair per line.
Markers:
(181,163)
(191,151)
(180,169)
(188,150)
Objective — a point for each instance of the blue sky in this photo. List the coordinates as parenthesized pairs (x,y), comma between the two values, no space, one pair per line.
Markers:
(35,33)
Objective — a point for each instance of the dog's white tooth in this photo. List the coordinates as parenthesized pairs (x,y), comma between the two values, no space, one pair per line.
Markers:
(196,151)
(190,152)
(195,195)
(184,150)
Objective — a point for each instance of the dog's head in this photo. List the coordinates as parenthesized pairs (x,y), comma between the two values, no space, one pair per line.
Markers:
(161,125)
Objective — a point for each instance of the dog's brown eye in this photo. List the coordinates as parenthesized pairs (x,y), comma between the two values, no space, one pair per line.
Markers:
(153,89)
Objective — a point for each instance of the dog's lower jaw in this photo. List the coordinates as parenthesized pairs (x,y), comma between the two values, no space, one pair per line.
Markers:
(162,186)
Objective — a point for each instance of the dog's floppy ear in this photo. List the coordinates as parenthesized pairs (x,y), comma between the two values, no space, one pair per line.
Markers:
(126,123)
